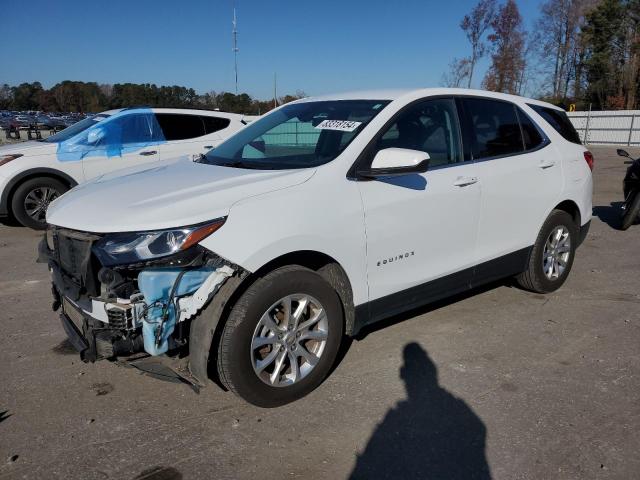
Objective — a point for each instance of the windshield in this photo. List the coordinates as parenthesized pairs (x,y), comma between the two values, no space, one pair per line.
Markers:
(75,129)
(299,135)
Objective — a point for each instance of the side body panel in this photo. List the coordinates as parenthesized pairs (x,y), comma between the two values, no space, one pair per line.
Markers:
(577,178)
(419,227)
(94,166)
(518,192)
(192,146)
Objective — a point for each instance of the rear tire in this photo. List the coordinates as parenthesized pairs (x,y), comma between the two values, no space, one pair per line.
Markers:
(552,255)
(631,213)
(260,340)
(31,199)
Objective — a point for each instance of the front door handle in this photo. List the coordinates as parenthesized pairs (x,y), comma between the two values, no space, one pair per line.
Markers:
(546,164)
(464,181)
(146,153)
(208,147)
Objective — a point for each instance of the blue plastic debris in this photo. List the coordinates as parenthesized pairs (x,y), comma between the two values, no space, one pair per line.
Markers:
(156,285)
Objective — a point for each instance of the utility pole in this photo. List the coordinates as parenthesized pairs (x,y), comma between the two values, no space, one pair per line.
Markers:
(235,46)
(275,90)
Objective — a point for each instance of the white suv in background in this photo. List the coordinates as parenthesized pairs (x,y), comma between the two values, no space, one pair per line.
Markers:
(322,217)
(34,173)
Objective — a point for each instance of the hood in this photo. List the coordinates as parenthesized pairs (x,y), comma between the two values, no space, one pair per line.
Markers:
(32,147)
(165,196)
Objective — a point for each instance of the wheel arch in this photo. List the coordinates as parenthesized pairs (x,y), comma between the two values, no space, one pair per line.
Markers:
(572,209)
(207,329)
(325,265)
(16,181)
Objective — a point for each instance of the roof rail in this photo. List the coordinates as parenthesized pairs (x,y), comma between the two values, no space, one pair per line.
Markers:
(132,107)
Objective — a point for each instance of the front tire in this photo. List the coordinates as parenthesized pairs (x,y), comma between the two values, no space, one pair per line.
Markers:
(631,212)
(552,255)
(281,338)
(31,199)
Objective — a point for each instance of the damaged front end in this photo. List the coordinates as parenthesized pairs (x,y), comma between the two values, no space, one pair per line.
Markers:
(126,293)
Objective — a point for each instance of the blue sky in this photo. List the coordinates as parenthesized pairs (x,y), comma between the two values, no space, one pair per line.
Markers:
(316,46)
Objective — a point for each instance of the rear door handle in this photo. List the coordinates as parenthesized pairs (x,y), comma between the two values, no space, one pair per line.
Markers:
(464,181)
(546,164)
(146,153)
(208,147)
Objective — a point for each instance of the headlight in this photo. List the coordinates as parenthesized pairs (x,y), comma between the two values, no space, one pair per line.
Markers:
(7,158)
(122,248)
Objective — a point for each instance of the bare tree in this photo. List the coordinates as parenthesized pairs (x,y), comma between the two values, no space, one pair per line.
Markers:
(106,89)
(459,70)
(507,58)
(558,39)
(475,25)
(6,96)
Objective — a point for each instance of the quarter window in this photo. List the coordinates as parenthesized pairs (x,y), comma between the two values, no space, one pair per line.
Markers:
(495,130)
(214,124)
(559,121)
(430,127)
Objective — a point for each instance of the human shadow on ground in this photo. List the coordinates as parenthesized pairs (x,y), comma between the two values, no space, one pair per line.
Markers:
(430,435)
(610,214)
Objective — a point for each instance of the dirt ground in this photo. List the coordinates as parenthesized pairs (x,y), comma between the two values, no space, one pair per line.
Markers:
(499,384)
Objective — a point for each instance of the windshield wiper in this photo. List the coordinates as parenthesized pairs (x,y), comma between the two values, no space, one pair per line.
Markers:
(241,164)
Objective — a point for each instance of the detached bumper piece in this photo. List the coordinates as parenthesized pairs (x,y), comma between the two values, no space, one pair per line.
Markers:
(75,336)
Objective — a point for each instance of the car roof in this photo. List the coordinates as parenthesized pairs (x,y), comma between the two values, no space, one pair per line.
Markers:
(183,111)
(399,94)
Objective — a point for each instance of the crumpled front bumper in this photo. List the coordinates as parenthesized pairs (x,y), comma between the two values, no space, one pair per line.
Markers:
(100,325)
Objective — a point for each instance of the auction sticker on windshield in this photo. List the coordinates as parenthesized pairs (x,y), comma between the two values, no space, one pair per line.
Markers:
(341,125)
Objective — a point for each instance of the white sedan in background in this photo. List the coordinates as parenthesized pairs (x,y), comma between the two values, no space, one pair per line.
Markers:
(34,173)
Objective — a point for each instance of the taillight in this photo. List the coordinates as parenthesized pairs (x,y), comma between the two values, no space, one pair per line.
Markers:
(588,157)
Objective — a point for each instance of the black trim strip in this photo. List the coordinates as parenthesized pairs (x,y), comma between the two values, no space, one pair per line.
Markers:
(429,292)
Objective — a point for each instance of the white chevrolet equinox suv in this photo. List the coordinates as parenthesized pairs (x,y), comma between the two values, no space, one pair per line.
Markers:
(322,217)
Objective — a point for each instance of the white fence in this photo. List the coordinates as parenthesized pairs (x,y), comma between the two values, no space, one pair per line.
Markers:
(621,127)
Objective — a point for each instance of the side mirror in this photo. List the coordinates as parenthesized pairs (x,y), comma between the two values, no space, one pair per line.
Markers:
(394,162)
(623,153)
(95,135)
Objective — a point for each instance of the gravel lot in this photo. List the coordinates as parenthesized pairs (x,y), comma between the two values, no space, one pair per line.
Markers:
(503,383)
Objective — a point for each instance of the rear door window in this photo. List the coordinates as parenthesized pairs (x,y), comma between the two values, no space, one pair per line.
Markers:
(137,129)
(559,121)
(494,128)
(214,124)
(180,127)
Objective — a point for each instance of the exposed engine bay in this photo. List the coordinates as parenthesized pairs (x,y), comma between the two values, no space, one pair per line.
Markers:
(109,309)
